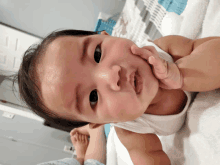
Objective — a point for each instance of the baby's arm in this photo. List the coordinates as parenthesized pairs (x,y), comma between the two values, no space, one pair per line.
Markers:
(198,60)
(143,148)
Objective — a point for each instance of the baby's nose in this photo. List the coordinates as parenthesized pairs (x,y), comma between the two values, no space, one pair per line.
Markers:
(115,77)
(110,76)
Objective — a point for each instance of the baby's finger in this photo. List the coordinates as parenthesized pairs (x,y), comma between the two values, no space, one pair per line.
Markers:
(144,53)
(159,66)
(152,49)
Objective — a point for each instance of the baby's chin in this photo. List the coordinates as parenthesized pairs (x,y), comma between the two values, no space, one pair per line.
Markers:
(139,112)
(129,116)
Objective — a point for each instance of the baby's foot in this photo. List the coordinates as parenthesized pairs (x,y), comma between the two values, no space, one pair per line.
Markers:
(80,143)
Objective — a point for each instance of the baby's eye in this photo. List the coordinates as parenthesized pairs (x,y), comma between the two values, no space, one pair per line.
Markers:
(97,54)
(93,98)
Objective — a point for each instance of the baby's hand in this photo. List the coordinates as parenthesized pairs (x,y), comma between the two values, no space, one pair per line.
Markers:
(168,74)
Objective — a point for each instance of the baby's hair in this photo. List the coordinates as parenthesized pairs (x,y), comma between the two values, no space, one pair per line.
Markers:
(27,78)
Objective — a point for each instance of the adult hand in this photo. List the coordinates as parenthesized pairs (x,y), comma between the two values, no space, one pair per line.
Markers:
(168,74)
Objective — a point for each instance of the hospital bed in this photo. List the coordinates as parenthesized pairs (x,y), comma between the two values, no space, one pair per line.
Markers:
(198,141)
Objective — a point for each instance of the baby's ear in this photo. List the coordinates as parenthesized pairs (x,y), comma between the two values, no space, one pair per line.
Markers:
(104,33)
(93,125)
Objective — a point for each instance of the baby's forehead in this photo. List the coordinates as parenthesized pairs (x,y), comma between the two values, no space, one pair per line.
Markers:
(50,62)
(59,53)
(63,41)
(68,40)
(61,47)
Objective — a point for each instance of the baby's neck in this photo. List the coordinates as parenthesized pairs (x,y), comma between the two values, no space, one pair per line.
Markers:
(167,102)
(159,96)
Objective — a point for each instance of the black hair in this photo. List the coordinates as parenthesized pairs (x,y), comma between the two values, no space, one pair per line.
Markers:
(27,78)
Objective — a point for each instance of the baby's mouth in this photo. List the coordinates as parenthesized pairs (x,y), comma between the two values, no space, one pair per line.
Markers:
(137,82)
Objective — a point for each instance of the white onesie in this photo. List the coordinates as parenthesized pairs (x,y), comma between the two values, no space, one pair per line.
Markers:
(158,124)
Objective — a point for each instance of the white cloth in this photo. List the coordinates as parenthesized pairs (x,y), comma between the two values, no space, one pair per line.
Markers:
(187,24)
(171,24)
(117,154)
(198,142)
(111,158)
(157,124)
(130,24)
(211,23)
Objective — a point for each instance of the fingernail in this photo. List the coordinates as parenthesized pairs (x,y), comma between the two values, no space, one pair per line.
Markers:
(150,59)
(133,47)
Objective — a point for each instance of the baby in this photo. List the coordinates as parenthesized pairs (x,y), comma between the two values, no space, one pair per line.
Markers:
(76,77)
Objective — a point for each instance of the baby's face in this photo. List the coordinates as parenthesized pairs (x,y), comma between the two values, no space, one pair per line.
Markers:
(96,79)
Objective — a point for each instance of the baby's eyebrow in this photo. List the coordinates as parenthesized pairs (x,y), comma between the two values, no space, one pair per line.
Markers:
(85,44)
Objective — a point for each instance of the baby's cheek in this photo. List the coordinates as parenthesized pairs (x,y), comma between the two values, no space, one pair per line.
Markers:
(120,48)
(124,107)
